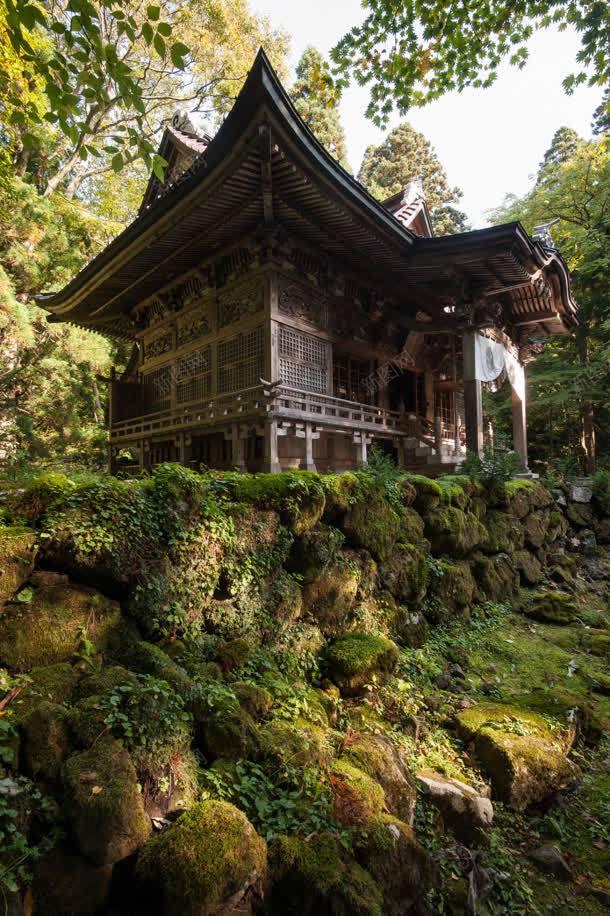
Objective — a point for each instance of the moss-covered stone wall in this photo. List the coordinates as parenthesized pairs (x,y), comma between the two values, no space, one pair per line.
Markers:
(222,690)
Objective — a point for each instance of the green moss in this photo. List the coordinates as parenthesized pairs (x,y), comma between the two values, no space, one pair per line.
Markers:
(52,683)
(405,574)
(298,743)
(601,683)
(43,493)
(452,586)
(46,740)
(411,527)
(428,493)
(496,577)
(203,859)
(317,877)
(146,658)
(376,755)
(598,644)
(505,533)
(17,555)
(388,849)
(255,700)
(234,654)
(580,515)
(103,804)
(88,720)
(551,607)
(454,532)
(454,491)
(298,496)
(330,597)
(366,795)
(355,659)
(51,628)
(372,523)
(315,550)
(104,680)
(529,567)
(225,732)
(523,768)
(535,527)
(472,720)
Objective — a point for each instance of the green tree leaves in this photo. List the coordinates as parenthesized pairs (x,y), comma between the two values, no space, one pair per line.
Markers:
(410,52)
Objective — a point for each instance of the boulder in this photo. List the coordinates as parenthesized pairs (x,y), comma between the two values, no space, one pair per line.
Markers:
(401,868)
(428,493)
(535,528)
(315,550)
(46,740)
(552,607)
(405,574)
(411,628)
(452,585)
(466,812)
(317,876)
(549,859)
(299,743)
(17,555)
(505,532)
(52,626)
(66,884)
(357,659)
(580,494)
(103,803)
(357,796)
(454,532)
(518,752)
(528,566)
(330,597)
(580,515)
(211,860)
(371,522)
(496,577)
(52,683)
(376,755)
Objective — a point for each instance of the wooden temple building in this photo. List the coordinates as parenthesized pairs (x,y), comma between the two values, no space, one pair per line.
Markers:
(282,317)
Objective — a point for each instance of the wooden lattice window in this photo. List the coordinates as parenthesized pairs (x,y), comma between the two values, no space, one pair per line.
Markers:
(194,376)
(158,388)
(303,361)
(240,361)
(352,380)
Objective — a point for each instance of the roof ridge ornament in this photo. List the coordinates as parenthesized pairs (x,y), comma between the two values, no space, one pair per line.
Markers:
(181,121)
(542,233)
(413,191)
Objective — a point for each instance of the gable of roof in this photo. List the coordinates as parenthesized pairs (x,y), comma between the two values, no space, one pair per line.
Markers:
(180,147)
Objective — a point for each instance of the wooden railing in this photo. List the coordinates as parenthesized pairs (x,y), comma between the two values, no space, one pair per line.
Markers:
(286,404)
(291,403)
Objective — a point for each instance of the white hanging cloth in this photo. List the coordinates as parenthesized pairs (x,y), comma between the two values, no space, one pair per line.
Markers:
(492,358)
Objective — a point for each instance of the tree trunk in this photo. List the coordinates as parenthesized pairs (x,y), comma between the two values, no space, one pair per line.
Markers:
(64,170)
(98,410)
(587,414)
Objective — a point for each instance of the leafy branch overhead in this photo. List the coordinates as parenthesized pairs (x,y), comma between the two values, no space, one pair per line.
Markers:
(411,52)
(103,75)
(93,63)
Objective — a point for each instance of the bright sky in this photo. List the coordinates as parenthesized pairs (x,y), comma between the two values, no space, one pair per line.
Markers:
(490,141)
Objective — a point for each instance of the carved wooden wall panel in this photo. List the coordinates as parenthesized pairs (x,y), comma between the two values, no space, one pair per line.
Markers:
(240,302)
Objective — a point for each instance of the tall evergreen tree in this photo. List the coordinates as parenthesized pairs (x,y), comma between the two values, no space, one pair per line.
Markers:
(318,104)
(404,154)
(563,145)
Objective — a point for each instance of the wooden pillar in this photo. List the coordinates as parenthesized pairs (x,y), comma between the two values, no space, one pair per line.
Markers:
(309,464)
(519,429)
(237,449)
(361,449)
(271,462)
(473,401)
(429,395)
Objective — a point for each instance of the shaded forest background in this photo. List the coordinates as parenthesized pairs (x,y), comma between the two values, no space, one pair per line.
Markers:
(73,170)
